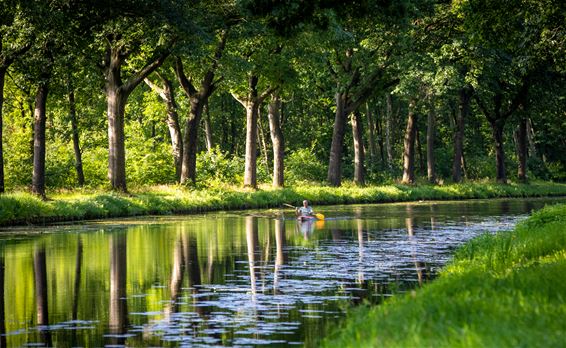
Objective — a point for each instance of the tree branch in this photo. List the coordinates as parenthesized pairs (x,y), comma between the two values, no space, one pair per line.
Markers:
(244,102)
(155,88)
(266,93)
(186,84)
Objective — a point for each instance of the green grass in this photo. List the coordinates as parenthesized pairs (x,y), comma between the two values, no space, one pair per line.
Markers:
(24,208)
(505,290)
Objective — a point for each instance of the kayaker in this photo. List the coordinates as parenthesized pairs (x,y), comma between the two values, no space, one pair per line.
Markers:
(305,210)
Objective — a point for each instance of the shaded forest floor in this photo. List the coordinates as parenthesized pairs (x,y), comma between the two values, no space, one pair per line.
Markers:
(504,290)
(21,208)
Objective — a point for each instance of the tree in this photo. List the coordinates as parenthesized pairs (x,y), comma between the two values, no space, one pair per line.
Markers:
(166,92)
(198,98)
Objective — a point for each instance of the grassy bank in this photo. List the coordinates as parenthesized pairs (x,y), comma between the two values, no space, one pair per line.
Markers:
(507,290)
(23,208)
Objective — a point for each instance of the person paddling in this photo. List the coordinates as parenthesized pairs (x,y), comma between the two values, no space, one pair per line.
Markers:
(305,210)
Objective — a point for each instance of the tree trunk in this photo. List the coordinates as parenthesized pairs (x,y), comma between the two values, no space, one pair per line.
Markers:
(357,132)
(409,146)
(250,167)
(117,93)
(522,152)
(335,163)
(388,119)
(198,99)
(262,142)
(2,79)
(462,114)
(166,93)
(76,141)
(497,132)
(39,118)
(531,138)
(277,139)
(430,160)
(252,103)
(208,129)
(371,134)
(116,139)
(190,141)
(419,144)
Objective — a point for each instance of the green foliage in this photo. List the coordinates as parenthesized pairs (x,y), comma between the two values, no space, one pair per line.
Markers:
(150,166)
(217,167)
(303,166)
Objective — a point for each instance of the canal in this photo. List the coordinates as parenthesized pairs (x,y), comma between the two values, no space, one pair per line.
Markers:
(247,278)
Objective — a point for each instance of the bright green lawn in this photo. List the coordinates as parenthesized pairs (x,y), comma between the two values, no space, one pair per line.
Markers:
(507,290)
(22,208)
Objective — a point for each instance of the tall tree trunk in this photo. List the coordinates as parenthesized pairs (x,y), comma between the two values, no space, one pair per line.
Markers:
(388,141)
(2,79)
(419,144)
(357,132)
(409,146)
(277,139)
(117,93)
(430,160)
(335,163)
(531,138)
(167,95)
(208,129)
(497,132)
(190,141)
(39,118)
(250,165)
(198,99)
(381,139)
(116,138)
(251,103)
(461,115)
(371,134)
(76,141)
(522,152)
(262,142)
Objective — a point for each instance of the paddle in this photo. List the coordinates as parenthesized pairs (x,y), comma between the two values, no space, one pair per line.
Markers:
(318,215)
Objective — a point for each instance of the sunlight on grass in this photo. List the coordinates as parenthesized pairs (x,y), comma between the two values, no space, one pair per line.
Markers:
(65,205)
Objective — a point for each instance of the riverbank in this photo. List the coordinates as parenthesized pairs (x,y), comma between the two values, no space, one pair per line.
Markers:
(504,290)
(24,208)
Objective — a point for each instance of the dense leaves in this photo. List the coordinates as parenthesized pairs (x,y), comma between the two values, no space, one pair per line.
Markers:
(478,68)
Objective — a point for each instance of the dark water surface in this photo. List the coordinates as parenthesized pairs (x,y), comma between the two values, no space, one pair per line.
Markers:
(226,279)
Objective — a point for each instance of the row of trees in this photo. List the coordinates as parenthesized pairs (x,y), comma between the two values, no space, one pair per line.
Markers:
(463,77)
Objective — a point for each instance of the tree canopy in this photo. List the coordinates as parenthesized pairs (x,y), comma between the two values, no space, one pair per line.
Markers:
(369,92)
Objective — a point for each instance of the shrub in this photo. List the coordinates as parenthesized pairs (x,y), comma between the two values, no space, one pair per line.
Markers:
(216,167)
(302,165)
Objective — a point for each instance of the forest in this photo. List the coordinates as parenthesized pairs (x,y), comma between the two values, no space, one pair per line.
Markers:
(128,93)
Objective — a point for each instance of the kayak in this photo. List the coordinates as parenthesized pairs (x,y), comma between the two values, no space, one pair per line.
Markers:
(307,218)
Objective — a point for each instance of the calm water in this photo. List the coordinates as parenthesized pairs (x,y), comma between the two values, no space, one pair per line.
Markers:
(226,279)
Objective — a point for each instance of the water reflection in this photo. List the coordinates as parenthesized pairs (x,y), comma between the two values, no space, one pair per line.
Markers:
(227,279)
(118,308)
(2,310)
(41,300)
